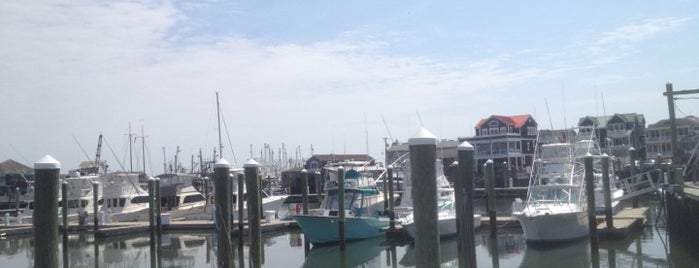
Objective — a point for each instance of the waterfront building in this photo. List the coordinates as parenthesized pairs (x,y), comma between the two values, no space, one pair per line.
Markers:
(291,178)
(617,133)
(510,142)
(15,182)
(658,138)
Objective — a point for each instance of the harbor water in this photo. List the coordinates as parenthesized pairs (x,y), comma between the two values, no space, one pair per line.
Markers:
(651,247)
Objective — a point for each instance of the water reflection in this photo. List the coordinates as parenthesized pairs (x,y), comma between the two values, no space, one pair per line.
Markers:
(363,253)
(287,250)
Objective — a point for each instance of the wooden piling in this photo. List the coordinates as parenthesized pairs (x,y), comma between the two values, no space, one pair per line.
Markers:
(158,207)
(304,189)
(607,193)
(463,191)
(64,208)
(252,183)
(95,203)
(423,154)
(590,192)
(319,183)
(45,222)
(632,168)
(341,206)
(241,207)
(151,203)
(490,190)
(223,212)
(391,204)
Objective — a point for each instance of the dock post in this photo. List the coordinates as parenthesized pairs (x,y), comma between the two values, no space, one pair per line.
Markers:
(391,204)
(590,192)
(490,192)
(385,194)
(205,187)
(223,212)
(151,203)
(319,184)
(423,170)
(64,208)
(341,206)
(45,222)
(95,203)
(607,193)
(252,183)
(463,191)
(158,208)
(304,189)
(632,168)
(241,207)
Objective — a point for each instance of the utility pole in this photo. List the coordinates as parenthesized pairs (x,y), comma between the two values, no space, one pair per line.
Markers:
(673,123)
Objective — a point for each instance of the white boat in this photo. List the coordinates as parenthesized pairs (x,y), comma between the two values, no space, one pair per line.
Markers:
(81,197)
(446,210)
(556,205)
(124,199)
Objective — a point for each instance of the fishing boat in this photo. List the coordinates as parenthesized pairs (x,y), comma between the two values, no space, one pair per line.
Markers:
(446,210)
(124,199)
(362,203)
(556,209)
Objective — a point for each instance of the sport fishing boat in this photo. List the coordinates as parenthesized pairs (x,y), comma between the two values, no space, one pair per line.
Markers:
(362,204)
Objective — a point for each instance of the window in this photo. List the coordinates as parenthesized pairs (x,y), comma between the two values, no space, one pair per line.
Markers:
(314,165)
(139,199)
(193,198)
(493,131)
(531,130)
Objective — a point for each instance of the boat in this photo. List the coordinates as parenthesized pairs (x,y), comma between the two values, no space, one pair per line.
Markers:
(446,209)
(556,207)
(124,199)
(363,203)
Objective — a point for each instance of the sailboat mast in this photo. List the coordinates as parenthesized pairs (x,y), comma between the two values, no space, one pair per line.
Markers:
(218,115)
(143,148)
(130,150)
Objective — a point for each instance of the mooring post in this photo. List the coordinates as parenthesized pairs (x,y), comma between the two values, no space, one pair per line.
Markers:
(423,170)
(95,203)
(158,207)
(490,191)
(151,203)
(391,204)
(304,189)
(607,193)
(385,194)
(64,208)
(205,186)
(632,168)
(319,184)
(45,222)
(241,207)
(590,192)
(341,206)
(223,212)
(463,192)
(252,183)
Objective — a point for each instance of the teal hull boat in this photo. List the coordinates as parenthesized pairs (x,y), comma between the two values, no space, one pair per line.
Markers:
(325,229)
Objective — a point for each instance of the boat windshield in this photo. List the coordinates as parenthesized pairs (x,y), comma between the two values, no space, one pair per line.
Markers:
(555,194)
(351,199)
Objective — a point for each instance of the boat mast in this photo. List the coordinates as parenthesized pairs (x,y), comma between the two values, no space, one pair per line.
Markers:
(130,150)
(143,148)
(218,116)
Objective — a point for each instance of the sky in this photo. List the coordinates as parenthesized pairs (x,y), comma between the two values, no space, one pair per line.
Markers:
(334,76)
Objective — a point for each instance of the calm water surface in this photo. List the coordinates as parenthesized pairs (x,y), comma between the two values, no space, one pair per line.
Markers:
(650,248)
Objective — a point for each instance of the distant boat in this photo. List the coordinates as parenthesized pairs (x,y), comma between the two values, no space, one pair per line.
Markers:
(124,199)
(446,210)
(362,203)
(556,206)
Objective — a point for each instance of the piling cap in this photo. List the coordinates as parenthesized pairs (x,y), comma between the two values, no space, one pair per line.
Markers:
(222,163)
(304,171)
(465,146)
(455,163)
(490,161)
(632,149)
(423,137)
(47,162)
(251,163)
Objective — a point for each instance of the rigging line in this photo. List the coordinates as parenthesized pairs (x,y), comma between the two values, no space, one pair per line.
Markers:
(81,149)
(228,136)
(419,118)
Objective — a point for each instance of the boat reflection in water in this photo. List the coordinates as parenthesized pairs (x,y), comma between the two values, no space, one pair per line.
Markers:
(575,254)
(360,253)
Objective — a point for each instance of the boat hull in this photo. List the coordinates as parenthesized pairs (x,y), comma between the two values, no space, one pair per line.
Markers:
(554,228)
(324,229)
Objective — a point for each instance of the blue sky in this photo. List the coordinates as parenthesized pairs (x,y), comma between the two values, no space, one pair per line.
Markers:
(325,73)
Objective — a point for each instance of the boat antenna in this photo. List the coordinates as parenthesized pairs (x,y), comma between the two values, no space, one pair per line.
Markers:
(549,112)
(419,118)
(366,134)
(130,150)
(218,116)
(565,124)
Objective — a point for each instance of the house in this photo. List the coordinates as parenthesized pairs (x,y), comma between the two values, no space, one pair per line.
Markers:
(658,138)
(15,179)
(617,133)
(509,141)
